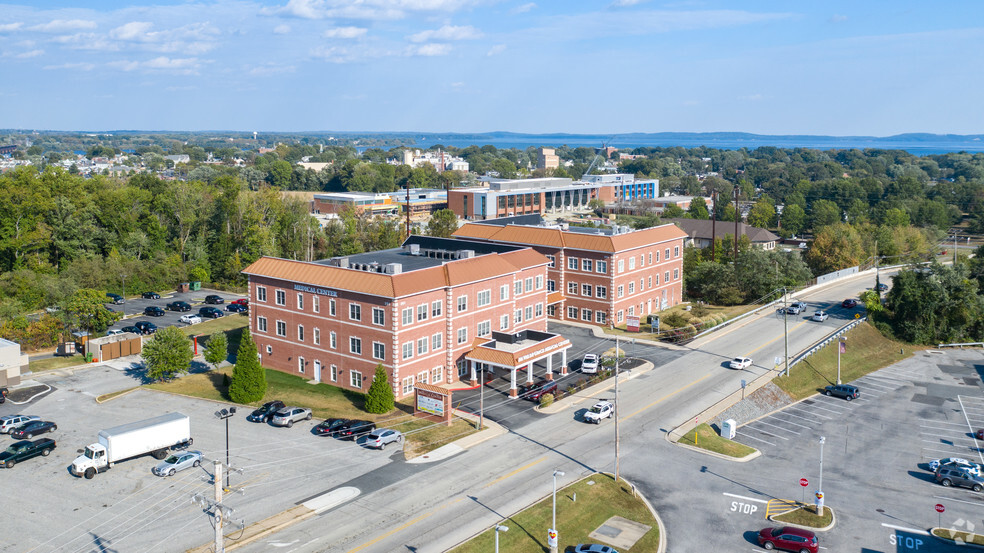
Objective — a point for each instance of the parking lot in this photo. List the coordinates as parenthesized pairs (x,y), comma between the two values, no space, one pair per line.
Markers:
(134,307)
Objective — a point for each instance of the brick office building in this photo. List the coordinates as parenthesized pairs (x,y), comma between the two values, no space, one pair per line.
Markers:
(606,275)
(417,310)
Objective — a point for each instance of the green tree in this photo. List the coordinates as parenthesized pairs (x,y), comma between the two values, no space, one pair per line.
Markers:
(673,211)
(216,350)
(698,209)
(793,219)
(825,212)
(763,213)
(248,377)
(379,398)
(442,223)
(835,247)
(167,354)
(86,310)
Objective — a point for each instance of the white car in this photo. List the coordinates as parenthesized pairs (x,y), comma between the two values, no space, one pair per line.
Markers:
(114,332)
(590,364)
(190,319)
(820,316)
(973,468)
(740,363)
(601,410)
(795,308)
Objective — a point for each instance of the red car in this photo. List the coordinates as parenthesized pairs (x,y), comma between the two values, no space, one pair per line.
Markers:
(979,434)
(788,538)
(243,301)
(849,303)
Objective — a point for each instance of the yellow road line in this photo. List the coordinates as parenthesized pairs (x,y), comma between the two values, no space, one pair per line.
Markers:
(515,472)
(391,532)
(749,354)
(667,396)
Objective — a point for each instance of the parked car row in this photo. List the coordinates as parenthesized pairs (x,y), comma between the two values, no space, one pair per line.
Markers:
(278,414)
(23,428)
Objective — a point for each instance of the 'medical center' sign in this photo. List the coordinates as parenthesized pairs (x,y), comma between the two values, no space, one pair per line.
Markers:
(313,290)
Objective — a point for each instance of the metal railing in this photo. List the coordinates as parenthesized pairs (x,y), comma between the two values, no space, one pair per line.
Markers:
(830,338)
(965,344)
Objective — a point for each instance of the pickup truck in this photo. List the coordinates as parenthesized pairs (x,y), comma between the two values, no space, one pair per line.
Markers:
(23,450)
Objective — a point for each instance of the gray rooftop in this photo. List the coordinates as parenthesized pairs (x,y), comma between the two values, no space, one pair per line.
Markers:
(418,252)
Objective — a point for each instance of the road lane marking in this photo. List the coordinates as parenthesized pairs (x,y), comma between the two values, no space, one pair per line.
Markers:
(975,503)
(515,472)
(746,498)
(664,398)
(391,532)
(904,529)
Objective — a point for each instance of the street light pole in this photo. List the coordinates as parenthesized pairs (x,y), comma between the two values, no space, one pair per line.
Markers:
(841,345)
(820,485)
(226,414)
(481,398)
(499,528)
(556,473)
(615,414)
(123,276)
(785,328)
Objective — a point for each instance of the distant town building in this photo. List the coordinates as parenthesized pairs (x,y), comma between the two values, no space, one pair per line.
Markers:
(699,232)
(179,158)
(335,202)
(422,200)
(547,159)
(315,166)
(442,161)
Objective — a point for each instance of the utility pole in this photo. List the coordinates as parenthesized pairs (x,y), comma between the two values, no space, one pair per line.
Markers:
(616,407)
(954,249)
(737,218)
(408,209)
(481,398)
(785,328)
(219,546)
(714,220)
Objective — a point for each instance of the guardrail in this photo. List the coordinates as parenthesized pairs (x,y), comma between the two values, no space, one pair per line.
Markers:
(968,344)
(830,338)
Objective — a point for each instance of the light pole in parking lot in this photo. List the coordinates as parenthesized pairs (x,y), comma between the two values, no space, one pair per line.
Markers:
(499,528)
(123,276)
(553,529)
(820,484)
(841,348)
(225,415)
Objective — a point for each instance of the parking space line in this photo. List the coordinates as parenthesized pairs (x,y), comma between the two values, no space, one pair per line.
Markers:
(758,439)
(791,422)
(887,388)
(770,434)
(786,412)
(807,412)
(835,411)
(947,431)
(960,424)
(779,427)
(976,503)
(745,498)
(970,427)
(904,529)
(948,451)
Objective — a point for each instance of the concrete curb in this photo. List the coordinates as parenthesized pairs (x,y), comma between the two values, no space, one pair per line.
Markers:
(32,398)
(599,332)
(951,541)
(751,456)
(588,393)
(261,529)
(659,521)
(833,520)
(118,395)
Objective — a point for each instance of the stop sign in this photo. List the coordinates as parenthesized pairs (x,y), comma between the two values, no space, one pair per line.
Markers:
(804,482)
(940,508)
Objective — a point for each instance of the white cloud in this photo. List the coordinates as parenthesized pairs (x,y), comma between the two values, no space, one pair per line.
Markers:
(364,9)
(281,29)
(63,25)
(334,54)
(838,18)
(626,3)
(522,9)
(134,30)
(268,69)
(87,41)
(497,49)
(429,50)
(447,32)
(7,27)
(185,66)
(192,39)
(30,54)
(81,66)
(345,32)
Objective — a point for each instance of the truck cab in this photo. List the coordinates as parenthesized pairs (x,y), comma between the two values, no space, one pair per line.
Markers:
(93,459)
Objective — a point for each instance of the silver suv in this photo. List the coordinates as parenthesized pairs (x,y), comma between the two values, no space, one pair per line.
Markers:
(953,475)
(289,415)
(10,422)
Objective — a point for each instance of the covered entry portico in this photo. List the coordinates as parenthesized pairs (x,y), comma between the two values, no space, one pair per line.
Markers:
(516,351)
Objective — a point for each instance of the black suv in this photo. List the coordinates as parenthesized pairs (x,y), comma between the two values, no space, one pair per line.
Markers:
(146,327)
(352,430)
(210,312)
(845,391)
(150,296)
(178,306)
(330,427)
(115,298)
(266,411)
(154,311)
(214,300)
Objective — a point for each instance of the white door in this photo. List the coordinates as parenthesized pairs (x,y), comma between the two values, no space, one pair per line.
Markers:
(317,371)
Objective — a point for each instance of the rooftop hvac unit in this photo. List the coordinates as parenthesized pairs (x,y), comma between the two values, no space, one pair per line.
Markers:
(393,268)
(340,262)
(414,249)
(466,254)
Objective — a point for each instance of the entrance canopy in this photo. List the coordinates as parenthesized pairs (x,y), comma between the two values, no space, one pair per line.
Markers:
(518,350)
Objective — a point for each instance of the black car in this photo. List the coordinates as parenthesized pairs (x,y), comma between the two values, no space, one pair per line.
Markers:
(330,427)
(213,299)
(3,394)
(145,327)
(237,308)
(150,296)
(31,429)
(115,298)
(845,391)
(154,311)
(353,430)
(266,411)
(210,313)
(20,451)
(178,306)
(132,329)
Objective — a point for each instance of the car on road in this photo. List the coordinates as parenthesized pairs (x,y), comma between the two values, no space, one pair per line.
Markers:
(210,313)
(534,392)
(592,548)
(881,287)
(153,311)
(381,437)
(241,301)
(952,475)
(590,364)
(190,318)
(145,327)
(115,298)
(788,538)
(114,332)
(265,411)
(849,303)
(213,299)
(740,363)
(820,316)
(355,429)
(9,422)
(130,328)
(329,427)
(23,450)
(289,415)
(237,308)
(177,462)
(150,295)
(178,306)
(795,308)
(954,462)
(604,409)
(31,429)
(846,391)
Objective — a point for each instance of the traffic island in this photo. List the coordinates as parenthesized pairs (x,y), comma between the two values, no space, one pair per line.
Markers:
(704,438)
(958,537)
(805,516)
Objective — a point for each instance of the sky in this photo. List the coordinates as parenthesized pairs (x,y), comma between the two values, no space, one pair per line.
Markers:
(861,67)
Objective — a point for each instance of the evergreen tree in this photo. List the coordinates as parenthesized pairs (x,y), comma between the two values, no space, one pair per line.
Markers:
(248,377)
(379,398)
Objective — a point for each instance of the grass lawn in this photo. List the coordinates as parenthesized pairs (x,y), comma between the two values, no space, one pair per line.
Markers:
(327,401)
(232,324)
(960,536)
(575,520)
(106,397)
(867,351)
(807,516)
(707,438)
(715,314)
(56,363)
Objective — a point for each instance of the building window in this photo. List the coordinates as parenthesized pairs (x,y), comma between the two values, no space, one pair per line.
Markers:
(355,379)
(539,310)
(641,287)
(601,292)
(551,310)
(518,316)
(422,312)
(586,315)
(462,303)
(632,311)
(642,260)
(407,385)
(281,328)
(650,282)
(632,287)
(620,291)
(572,263)
(600,317)
(650,258)
(485,328)
(504,322)
(621,266)
(666,256)
(378,316)
(316,304)
(300,301)
(620,316)
(676,251)
(332,340)
(539,282)
(408,350)
(572,313)
(355,345)
(666,277)
(462,335)
(407,315)
(553,260)
(518,288)
(529,312)
(529,284)
(504,292)
(602,267)
(657,279)
(355,312)
(586,290)
(632,263)
(435,342)
(281,297)
(378,350)
(300,365)
(657,256)
(586,265)
(261,324)
(484,298)
(571,288)
(331,307)
(261,293)
(300,333)
(462,367)
(422,345)
(422,377)
(551,286)
(317,336)
(334,373)
(437,375)
(676,274)
(435,309)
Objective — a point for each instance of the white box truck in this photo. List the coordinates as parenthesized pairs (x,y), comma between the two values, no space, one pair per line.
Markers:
(155,436)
